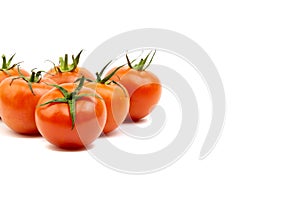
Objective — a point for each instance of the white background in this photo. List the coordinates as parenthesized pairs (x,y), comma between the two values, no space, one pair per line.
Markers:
(255,46)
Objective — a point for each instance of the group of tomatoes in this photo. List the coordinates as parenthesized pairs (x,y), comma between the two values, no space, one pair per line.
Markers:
(69,106)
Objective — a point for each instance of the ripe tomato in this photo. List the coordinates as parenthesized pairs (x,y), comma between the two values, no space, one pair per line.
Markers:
(18,98)
(70,116)
(143,87)
(65,73)
(8,70)
(116,100)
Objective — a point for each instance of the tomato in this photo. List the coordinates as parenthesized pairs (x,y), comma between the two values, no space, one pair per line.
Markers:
(70,116)
(18,98)
(68,77)
(116,100)
(8,70)
(65,73)
(143,86)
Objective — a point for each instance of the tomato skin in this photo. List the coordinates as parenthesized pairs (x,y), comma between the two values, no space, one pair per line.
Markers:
(116,101)
(54,120)
(144,89)
(12,72)
(17,103)
(69,77)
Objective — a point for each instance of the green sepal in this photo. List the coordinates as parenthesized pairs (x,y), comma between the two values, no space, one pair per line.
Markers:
(35,77)
(58,100)
(106,79)
(141,66)
(64,65)
(72,107)
(70,98)
(6,65)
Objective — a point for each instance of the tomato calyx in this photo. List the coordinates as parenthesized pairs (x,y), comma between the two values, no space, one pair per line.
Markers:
(35,77)
(64,65)
(6,65)
(142,65)
(70,98)
(106,80)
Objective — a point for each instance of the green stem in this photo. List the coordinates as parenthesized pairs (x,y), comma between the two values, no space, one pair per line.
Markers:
(66,62)
(32,77)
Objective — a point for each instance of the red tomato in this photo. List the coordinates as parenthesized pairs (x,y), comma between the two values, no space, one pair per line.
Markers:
(68,76)
(65,73)
(18,98)
(144,88)
(116,100)
(8,70)
(70,116)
